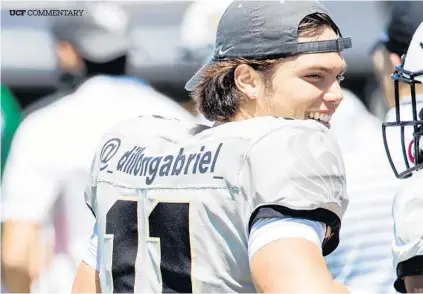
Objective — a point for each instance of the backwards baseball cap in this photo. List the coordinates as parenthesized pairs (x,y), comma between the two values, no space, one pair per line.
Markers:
(266,30)
(99,35)
(406,16)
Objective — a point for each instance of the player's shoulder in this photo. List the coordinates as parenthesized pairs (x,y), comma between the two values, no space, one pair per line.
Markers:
(272,137)
(291,129)
(304,146)
(289,136)
(256,129)
(272,140)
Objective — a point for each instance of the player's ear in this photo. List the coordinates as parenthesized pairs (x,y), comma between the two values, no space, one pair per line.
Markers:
(395,60)
(247,80)
(68,57)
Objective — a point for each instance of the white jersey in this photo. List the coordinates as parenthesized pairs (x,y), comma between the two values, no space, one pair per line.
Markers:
(177,216)
(49,162)
(408,206)
(408,217)
(363,260)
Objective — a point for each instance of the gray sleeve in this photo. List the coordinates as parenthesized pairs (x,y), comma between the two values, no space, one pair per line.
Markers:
(90,189)
(297,172)
(92,256)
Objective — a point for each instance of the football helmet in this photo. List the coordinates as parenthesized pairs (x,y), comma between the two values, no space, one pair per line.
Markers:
(409,72)
(198,29)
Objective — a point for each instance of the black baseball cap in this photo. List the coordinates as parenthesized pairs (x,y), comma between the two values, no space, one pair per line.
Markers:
(99,35)
(406,16)
(266,30)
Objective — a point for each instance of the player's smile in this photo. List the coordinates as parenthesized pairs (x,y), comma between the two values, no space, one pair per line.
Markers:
(321,117)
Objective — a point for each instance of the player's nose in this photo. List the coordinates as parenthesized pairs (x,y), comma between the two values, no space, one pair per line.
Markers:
(334,94)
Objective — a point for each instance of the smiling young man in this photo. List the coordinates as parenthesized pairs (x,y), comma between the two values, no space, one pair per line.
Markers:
(251,204)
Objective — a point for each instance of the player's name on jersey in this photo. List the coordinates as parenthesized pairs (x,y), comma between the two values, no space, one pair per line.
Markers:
(135,162)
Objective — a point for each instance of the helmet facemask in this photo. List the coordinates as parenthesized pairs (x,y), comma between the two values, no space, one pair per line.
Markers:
(412,152)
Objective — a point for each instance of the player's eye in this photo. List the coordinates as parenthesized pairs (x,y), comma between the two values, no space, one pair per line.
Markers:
(314,78)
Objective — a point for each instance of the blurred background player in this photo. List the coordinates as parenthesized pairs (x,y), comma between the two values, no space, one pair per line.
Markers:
(408,207)
(72,71)
(50,156)
(363,260)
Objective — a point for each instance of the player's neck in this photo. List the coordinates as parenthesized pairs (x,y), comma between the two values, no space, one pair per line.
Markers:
(242,114)
(191,107)
(405,92)
(237,117)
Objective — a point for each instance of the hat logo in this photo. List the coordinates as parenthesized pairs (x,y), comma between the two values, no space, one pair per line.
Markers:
(222,52)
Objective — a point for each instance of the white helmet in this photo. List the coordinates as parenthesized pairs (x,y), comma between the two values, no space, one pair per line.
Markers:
(410,73)
(199,26)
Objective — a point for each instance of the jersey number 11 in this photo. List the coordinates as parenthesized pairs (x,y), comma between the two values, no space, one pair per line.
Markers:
(170,223)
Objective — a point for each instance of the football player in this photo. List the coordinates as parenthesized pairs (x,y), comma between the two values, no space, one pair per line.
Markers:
(250,204)
(405,19)
(363,261)
(408,206)
(50,156)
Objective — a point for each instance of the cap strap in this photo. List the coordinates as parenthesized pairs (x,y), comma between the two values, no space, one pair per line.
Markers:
(287,49)
(337,45)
